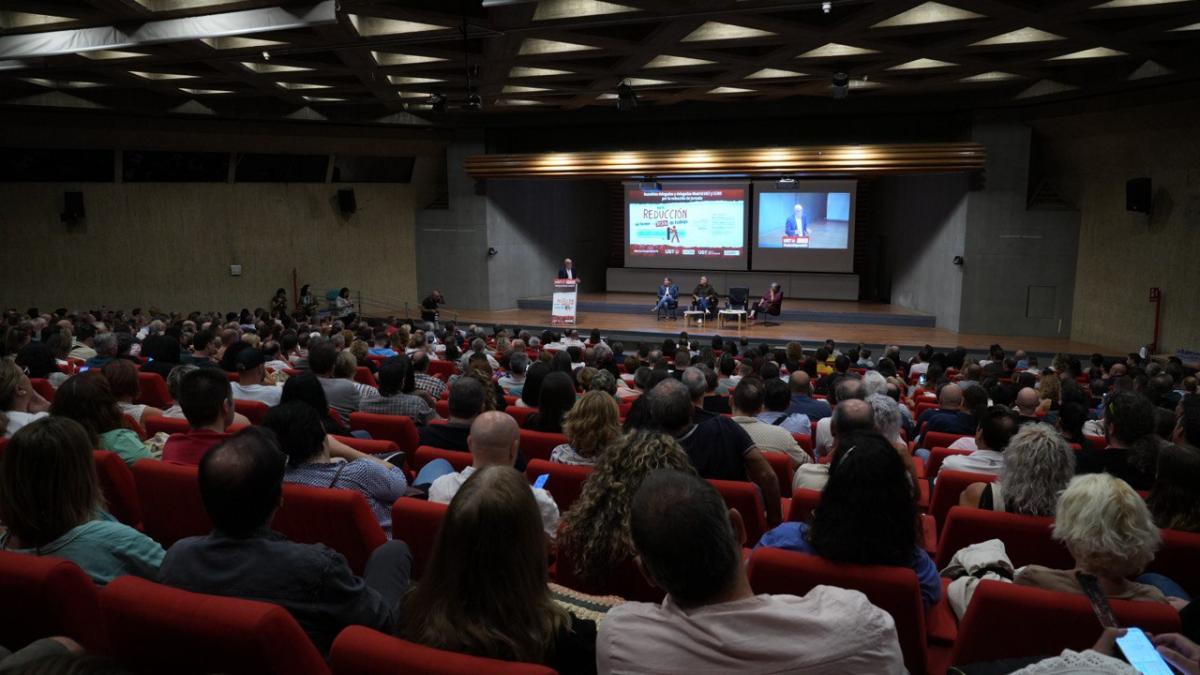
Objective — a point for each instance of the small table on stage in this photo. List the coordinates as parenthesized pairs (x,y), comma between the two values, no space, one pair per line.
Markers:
(696,314)
(724,314)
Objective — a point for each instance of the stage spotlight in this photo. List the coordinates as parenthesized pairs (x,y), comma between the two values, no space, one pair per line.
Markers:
(841,85)
(827,6)
(266,55)
(626,98)
(438,101)
(474,102)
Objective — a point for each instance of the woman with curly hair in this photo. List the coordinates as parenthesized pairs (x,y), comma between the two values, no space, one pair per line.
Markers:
(868,514)
(590,426)
(1038,465)
(88,399)
(594,533)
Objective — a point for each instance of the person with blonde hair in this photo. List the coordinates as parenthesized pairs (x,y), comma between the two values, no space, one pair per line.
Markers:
(1110,533)
(596,528)
(485,590)
(19,403)
(1038,464)
(1050,393)
(593,423)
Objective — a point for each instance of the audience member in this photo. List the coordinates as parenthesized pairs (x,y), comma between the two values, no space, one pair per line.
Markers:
(948,417)
(306,388)
(205,345)
(1038,464)
(747,405)
(318,460)
(51,504)
(1132,452)
(19,403)
(555,400)
(253,383)
(711,620)
(868,514)
(106,347)
(849,417)
(846,388)
(777,398)
(341,393)
(514,381)
(596,528)
(485,589)
(1174,500)
(397,393)
(241,483)
(87,398)
(207,402)
(996,427)
(718,447)
(38,361)
(422,380)
(800,383)
(122,376)
(1028,404)
(590,427)
(492,441)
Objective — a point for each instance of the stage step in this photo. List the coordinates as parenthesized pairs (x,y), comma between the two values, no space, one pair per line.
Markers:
(797,314)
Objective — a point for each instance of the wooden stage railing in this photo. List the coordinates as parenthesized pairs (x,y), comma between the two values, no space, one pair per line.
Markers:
(798,161)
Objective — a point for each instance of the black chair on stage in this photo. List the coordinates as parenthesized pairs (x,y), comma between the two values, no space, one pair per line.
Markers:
(738,299)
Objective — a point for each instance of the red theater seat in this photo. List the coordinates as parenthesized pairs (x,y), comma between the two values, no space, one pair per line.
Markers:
(254,411)
(805,501)
(43,387)
(565,483)
(167,425)
(171,505)
(539,444)
(937,457)
(400,429)
(361,651)
(948,488)
(157,629)
(1026,538)
(938,439)
(781,464)
(744,497)
(369,446)
(426,454)
(153,391)
(44,597)
(120,491)
(804,442)
(893,589)
(442,407)
(339,519)
(520,414)
(1009,621)
(416,523)
(441,367)
(1179,559)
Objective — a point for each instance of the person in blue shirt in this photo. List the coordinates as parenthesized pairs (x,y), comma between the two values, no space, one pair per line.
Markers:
(668,295)
(867,516)
(797,219)
(800,382)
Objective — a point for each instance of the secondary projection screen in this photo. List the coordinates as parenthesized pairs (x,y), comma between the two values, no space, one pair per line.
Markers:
(699,226)
(806,226)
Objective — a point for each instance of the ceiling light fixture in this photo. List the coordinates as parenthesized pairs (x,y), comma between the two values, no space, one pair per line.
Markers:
(827,6)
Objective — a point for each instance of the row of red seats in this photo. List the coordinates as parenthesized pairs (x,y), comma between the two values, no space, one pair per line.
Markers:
(150,628)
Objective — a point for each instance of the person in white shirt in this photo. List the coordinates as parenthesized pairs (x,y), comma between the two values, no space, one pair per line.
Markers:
(252,384)
(747,402)
(711,620)
(493,441)
(996,427)
(847,388)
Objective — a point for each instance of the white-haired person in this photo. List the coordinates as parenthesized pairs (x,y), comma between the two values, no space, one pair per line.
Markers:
(1110,533)
(1038,465)
(886,415)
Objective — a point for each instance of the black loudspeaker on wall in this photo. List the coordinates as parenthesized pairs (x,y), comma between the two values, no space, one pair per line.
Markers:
(346,202)
(1137,195)
(72,207)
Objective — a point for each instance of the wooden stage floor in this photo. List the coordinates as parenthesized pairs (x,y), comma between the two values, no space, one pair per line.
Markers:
(644,324)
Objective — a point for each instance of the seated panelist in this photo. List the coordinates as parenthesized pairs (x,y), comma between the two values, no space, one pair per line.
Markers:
(705,296)
(771,298)
(668,295)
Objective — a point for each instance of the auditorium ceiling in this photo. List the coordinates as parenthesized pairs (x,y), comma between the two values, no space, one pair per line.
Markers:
(413,62)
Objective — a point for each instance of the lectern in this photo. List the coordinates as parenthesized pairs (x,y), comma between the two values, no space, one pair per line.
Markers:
(562,310)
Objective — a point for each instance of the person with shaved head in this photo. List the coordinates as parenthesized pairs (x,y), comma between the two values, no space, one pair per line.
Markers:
(493,441)
(948,417)
(1028,401)
(800,383)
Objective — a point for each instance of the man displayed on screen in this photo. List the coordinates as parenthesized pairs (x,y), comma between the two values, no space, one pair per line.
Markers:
(567,271)
(797,218)
(668,295)
(705,296)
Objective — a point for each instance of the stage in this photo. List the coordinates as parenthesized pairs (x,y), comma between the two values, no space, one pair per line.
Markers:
(627,317)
